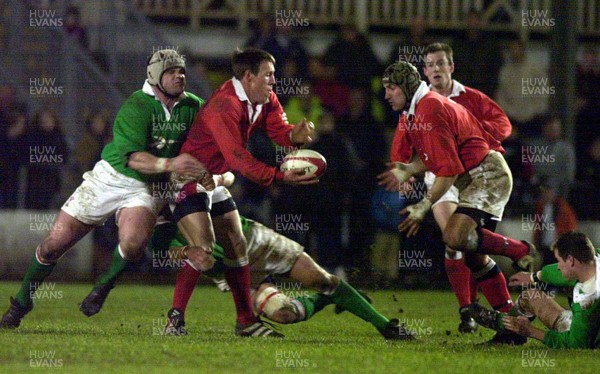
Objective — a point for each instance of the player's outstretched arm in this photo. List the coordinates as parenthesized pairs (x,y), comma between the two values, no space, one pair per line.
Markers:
(184,164)
(399,173)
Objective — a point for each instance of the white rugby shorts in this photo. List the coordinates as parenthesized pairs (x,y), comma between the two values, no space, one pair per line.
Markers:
(104,191)
(450,196)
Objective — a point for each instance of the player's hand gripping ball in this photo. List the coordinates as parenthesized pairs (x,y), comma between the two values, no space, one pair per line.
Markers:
(310,162)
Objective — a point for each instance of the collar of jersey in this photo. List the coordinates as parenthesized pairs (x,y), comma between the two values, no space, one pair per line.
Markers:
(421,91)
(457,89)
(253,112)
(239,90)
(147,89)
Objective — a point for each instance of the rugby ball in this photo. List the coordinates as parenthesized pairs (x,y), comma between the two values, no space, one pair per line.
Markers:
(309,161)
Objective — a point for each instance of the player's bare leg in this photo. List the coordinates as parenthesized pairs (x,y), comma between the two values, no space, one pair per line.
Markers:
(228,230)
(65,232)
(197,228)
(459,275)
(493,285)
(535,302)
(135,228)
(463,233)
(332,290)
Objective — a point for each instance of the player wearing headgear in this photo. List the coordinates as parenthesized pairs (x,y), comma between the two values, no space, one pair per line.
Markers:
(439,66)
(451,143)
(149,130)
(218,139)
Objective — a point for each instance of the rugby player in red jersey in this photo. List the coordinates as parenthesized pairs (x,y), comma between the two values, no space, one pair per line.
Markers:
(219,136)
(453,144)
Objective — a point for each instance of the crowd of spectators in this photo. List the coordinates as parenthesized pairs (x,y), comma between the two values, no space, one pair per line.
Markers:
(341,92)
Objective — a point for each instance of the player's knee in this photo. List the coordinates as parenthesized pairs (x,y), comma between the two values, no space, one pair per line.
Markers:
(453,239)
(238,246)
(132,247)
(326,283)
(527,296)
(275,305)
(47,253)
(284,315)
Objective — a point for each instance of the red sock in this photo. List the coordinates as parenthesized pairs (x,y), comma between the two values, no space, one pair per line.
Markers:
(493,286)
(238,279)
(187,277)
(459,275)
(496,244)
(473,285)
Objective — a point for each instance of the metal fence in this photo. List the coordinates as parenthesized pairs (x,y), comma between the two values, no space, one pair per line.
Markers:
(500,15)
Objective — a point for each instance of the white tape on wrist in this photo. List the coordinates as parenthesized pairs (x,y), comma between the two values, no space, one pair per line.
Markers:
(162,165)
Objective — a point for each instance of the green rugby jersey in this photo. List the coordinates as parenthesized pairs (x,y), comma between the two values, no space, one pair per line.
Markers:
(142,125)
(585,324)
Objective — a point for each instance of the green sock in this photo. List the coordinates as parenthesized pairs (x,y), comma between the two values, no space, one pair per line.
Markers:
(36,273)
(117,266)
(500,322)
(348,298)
(314,303)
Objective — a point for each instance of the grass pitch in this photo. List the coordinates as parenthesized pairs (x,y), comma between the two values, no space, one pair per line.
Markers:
(125,338)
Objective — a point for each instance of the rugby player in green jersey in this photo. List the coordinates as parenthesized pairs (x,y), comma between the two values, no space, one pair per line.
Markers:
(149,131)
(578,267)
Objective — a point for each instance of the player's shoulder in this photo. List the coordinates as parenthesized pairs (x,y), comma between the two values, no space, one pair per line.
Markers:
(194,98)
(473,93)
(137,102)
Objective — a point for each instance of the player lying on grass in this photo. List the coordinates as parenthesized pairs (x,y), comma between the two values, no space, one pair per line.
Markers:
(269,253)
(578,267)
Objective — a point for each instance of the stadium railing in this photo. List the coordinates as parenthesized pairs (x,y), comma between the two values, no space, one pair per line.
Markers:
(497,15)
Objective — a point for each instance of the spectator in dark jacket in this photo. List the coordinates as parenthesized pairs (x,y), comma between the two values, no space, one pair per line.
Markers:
(47,156)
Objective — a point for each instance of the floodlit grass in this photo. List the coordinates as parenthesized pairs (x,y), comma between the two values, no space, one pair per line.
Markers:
(125,338)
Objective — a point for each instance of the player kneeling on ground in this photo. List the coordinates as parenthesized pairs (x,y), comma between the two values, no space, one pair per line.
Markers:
(578,267)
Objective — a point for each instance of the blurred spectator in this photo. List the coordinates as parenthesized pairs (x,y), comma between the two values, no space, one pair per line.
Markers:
(368,140)
(588,78)
(522,90)
(521,198)
(86,153)
(553,157)
(411,48)
(73,26)
(306,106)
(12,158)
(480,56)
(585,196)
(333,94)
(588,103)
(9,105)
(277,40)
(88,149)
(328,199)
(554,216)
(352,59)
(47,155)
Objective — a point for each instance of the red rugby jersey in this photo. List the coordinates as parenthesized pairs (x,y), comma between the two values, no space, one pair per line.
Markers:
(220,133)
(446,136)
